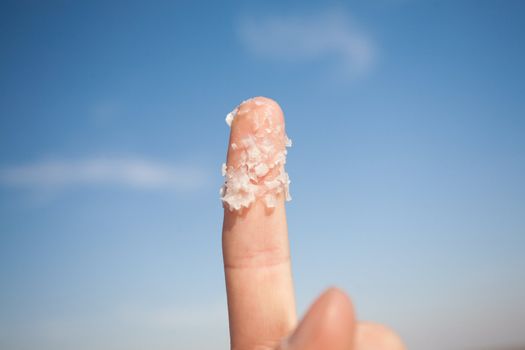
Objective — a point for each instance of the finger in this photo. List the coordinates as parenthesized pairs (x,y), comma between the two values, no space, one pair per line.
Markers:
(328,324)
(256,254)
(374,336)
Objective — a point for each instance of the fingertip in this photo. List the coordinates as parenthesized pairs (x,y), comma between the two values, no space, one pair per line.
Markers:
(256,156)
(339,316)
(328,324)
(256,115)
(338,296)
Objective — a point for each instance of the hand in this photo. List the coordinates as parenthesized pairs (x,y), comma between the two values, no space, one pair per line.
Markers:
(261,302)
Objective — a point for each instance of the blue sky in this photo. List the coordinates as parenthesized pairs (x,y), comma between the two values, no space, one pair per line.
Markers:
(407,169)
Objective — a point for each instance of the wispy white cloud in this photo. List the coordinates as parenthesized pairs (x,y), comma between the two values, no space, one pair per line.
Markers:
(329,34)
(127,172)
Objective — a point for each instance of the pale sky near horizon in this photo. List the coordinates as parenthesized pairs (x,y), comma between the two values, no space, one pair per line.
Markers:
(408,165)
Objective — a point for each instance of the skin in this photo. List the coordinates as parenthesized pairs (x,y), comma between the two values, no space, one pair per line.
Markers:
(261,302)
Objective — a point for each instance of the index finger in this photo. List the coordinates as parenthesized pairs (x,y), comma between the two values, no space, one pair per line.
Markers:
(259,285)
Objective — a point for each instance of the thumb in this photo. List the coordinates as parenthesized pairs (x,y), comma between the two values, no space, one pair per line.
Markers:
(328,324)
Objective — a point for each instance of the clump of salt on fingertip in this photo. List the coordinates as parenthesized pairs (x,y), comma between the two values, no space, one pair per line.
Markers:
(259,172)
(230,116)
